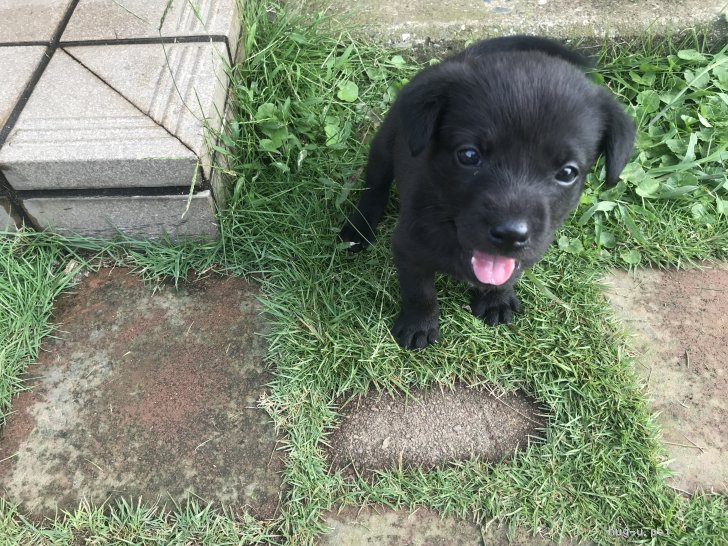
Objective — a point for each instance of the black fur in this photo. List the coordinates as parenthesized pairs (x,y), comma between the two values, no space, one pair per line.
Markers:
(523,106)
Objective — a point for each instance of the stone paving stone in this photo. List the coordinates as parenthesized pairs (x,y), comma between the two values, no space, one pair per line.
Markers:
(145,393)
(679,323)
(416,21)
(431,429)
(20,62)
(77,132)
(7,222)
(114,19)
(180,86)
(30,20)
(385,527)
(136,216)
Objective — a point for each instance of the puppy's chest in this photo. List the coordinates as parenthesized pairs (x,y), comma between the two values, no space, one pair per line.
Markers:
(438,246)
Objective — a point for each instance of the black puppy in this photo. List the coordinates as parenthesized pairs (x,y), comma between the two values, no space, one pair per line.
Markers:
(489,149)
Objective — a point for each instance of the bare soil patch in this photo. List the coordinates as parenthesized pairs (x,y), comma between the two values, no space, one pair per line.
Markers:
(432,428)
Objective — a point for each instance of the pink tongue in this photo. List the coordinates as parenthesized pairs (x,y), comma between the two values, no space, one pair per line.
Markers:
(492,269)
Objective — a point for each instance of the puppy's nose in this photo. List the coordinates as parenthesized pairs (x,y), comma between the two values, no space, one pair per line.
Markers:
(510,235)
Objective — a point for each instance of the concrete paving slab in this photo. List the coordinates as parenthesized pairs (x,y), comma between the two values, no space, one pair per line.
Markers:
(77,132)
(31,20)
(21,62)
(145,217)
(679,321)
(384,527)
(8,221)
(422,527)
(128,19)
(182,87)
(432,428)
(415,21)
(146,392)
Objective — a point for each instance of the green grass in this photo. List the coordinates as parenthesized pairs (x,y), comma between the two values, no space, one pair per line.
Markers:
(31,276)
(306,101)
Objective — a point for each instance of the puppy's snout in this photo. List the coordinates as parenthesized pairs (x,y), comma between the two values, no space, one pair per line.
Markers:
(510,235)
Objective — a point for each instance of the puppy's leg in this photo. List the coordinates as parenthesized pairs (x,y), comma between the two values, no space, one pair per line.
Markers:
(418,323)
(496,304)
(359,228)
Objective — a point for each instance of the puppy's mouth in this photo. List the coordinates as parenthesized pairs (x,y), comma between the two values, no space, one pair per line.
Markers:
(492,269)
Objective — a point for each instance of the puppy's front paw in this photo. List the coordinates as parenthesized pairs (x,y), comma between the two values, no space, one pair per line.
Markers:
(358,237)
(495,307)
(416,332)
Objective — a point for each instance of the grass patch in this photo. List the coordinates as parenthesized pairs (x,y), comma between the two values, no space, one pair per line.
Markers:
(670,206)
(31,276)
(306,101)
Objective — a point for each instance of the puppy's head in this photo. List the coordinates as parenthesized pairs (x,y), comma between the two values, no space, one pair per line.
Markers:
(504,140)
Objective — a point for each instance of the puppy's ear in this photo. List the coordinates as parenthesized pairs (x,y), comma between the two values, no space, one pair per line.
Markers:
(420,105)
(618,138)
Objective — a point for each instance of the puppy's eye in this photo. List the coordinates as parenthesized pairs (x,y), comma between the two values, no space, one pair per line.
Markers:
(470,157)
(567,174)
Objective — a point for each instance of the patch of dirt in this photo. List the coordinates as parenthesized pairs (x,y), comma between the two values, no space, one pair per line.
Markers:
(679,322)
(147,394)
(432,428)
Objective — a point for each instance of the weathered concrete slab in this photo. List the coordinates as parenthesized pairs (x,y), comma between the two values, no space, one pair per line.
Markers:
(415,21)
(182,87)
(679,320)
(432,428)
(136,216)
(20,62)
(114,19)
(77,132)
(8,222)
(145,393)
(30,20)
(384,527)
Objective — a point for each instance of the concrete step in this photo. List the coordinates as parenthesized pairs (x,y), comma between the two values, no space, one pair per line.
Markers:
(415,22)
(108,116)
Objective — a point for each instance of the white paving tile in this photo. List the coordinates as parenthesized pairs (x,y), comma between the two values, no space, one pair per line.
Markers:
(77,132)
(18,64)
(114,19)
(180,86)
(30,20)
